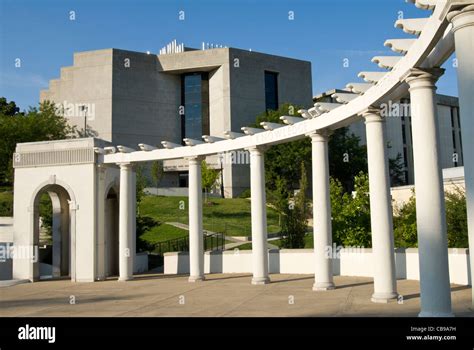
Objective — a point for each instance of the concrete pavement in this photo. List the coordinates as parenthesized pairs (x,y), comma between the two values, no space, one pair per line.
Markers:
(219,295)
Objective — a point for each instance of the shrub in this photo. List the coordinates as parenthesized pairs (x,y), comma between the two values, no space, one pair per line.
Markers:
(404,221)
(456,218)
(351,213)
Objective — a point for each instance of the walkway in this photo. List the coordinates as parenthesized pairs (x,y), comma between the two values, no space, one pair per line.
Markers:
(220,295)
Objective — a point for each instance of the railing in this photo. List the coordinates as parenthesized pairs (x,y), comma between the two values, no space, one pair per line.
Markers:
(214,241)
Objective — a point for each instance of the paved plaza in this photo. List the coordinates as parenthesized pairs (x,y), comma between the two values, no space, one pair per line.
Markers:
(219,295)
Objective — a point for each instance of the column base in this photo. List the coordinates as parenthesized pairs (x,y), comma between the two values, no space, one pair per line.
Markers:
(322,286)
(125,279)
(193,279)
(260,280)
(435,314)
(384,298)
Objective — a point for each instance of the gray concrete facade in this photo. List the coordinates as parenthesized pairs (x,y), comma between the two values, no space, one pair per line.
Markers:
(134,97)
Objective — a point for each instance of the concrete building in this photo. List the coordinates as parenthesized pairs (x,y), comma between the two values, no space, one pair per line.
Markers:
(130,97)
(398,127)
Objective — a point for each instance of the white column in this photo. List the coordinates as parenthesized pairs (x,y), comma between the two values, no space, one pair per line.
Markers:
(101,198)
(73,207)
(126,218)
(134,221)
(381,220)
(463,27)
(259,216)
(322,229)
(430,208)
(196,244)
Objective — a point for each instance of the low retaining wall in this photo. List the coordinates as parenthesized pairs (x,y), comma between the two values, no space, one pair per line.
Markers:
(301,261)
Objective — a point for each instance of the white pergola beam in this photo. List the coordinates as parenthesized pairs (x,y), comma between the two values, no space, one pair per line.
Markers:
(387,62)
(325,107)
(372,77)
(359,88)
(411,25)
(125,149)
(170,145)
(400,45)
(192,142)
(110,150)
(305,113)
(146,148)
(211,139)
(251,131)
(344,97)
(270,126)
(291,120)
(232,135)
(424,4)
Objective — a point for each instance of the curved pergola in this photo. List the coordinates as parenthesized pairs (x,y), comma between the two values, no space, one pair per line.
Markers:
(415,68)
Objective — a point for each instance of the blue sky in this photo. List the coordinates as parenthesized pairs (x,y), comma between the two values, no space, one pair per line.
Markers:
(324,32)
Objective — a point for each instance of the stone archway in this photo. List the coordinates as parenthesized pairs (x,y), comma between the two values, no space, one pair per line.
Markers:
(62,230)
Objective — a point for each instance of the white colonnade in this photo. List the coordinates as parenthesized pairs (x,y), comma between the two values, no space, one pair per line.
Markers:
(431,222)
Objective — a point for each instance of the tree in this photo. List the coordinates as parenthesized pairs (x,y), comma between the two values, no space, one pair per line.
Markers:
(404,224)
(37,124)
(209,177)
(351,213)
(278,198)
(295,216)
(140,185)
(283,161)
(157,171)
(456,218)
(396,170)
(8,108)
(346,157)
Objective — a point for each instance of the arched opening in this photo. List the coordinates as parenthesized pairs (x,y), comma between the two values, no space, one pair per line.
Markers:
(111,234)
(52,233)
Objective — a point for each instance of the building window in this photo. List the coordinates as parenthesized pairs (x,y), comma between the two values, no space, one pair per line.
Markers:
(195,99)
(271,90)
(183,180)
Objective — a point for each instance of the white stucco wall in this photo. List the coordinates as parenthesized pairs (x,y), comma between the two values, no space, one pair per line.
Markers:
(301,261)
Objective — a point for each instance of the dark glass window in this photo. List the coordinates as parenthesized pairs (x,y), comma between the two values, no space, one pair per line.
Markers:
(271,90)
(183,179)
(195,99)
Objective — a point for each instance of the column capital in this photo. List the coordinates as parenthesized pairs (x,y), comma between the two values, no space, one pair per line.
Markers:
(125,166)
(195,159)
(258,150)
(372,115)
(423,78)
(321,135)
(461,17)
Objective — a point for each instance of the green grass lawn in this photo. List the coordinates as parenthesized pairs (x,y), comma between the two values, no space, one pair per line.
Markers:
(228,215)
(308,242)
(162,233)
(308,239)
